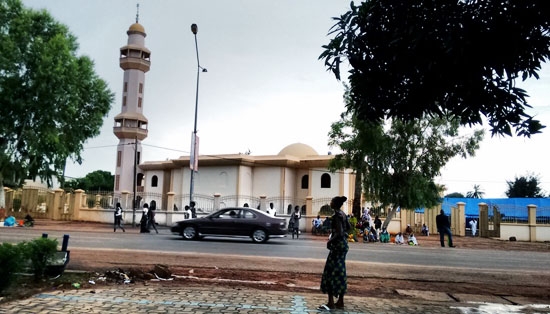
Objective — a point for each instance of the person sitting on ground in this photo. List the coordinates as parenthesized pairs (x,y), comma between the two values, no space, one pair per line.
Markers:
(29,221)
(425,231)
(317,225)
(412,239)
(384,236)
(408,230)
(366,232)
(399,238)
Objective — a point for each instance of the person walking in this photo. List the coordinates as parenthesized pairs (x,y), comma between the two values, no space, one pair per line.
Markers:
(473,227)
(144,219)
(334,279)
(295,222)
(118,217)
(151,216)
(444,228)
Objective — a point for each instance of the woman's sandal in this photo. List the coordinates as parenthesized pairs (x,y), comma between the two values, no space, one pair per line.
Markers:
(324,307)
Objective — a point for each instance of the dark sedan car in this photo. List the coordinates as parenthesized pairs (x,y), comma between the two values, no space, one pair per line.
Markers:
(233,221)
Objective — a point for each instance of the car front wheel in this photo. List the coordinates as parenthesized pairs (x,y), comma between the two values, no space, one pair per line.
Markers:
(259,236)
(189,233)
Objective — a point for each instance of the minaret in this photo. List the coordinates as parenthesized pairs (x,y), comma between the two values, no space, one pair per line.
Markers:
(131,125)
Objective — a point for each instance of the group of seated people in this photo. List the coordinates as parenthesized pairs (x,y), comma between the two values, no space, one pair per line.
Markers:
(321,226)
(400,239)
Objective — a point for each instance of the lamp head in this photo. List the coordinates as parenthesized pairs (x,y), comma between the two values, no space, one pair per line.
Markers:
(194,28)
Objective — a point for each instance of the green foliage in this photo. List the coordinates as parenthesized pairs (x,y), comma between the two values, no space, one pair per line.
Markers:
(11,259)
(326,210)
(399,160)
(98,180)
(525,186)
(476,193)
(353,223)
(455,195)
(51,100)
(417,58)
(40,252)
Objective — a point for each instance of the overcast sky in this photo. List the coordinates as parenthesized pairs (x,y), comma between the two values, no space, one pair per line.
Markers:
(264,89)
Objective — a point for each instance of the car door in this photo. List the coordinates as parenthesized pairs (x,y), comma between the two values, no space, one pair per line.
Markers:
(216,223)
(226,223)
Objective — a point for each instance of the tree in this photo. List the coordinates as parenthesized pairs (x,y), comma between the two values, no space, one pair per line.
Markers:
(462,58)
(51,100)
(476,193)
(524,186)
(354,157)
(454,195)
(98,180)
(402,159)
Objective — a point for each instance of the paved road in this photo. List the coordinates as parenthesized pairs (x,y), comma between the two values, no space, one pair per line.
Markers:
(494,260)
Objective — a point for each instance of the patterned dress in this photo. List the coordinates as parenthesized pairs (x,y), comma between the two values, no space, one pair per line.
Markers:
(334,279)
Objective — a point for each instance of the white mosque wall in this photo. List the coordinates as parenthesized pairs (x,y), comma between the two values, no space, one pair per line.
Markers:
(316,189)
(149,181)
(217,179)
(301,193)
(267,181)
(289,183)
(245,181)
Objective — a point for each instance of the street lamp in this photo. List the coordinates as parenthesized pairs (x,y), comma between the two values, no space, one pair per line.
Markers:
(193,159)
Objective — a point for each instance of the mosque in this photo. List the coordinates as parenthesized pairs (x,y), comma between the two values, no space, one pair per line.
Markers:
(290,178)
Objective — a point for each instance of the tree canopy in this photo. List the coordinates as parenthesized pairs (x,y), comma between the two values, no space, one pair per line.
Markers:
(462,58)
(399,161)
(455,195)
(525,186)
(51,100)
(98,180)
(477,192)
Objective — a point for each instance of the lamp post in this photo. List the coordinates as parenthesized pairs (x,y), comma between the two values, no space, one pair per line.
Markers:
(193,160)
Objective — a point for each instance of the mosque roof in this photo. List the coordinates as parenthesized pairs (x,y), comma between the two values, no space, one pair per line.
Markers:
(298,150)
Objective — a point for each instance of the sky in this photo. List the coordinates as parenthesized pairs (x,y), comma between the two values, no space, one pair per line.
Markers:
(265,87)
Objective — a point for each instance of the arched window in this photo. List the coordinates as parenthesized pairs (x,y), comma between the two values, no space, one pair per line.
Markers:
(325,181)
(154,181)
(139,179)
(305,182)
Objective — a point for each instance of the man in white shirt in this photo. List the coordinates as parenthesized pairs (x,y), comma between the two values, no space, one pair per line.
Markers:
(473,227)
(399,239)
(271,211)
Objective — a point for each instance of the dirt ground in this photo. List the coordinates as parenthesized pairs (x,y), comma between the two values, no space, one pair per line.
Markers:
(377,281)
(96,268)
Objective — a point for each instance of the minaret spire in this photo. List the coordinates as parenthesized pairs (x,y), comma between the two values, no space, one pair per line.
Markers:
(137,12)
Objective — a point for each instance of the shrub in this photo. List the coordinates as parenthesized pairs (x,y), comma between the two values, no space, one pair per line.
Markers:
(326,210)
(11,259)
(40,251)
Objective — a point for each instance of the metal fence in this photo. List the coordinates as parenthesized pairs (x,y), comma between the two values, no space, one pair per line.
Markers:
(543,215)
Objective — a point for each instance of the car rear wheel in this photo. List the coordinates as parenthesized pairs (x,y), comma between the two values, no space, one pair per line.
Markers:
(190,233)
(259,236)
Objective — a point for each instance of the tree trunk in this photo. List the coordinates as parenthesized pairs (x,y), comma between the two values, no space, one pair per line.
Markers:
(2,194)
(356,209)
(389,217)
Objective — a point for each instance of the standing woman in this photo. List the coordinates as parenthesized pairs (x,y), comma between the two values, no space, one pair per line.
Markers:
(144,219)
(295,219)
(118,217)
(334,280)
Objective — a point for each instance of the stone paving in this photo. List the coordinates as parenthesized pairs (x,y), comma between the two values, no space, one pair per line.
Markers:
(206,299)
